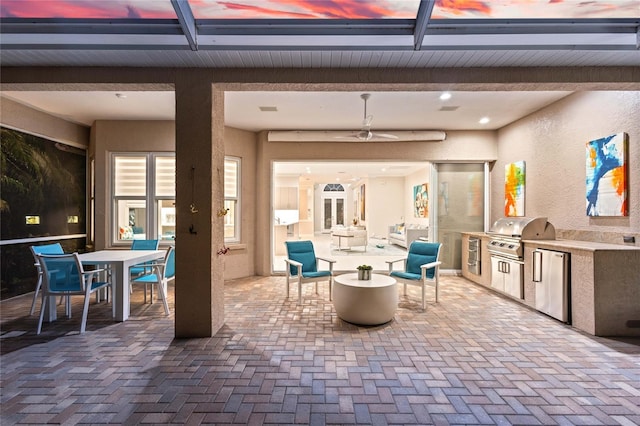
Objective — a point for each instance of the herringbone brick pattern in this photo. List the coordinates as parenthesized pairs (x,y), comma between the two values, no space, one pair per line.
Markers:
(473,358)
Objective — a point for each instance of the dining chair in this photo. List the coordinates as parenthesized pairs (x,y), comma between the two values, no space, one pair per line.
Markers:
(163,272)
(302,265)
(421,267)
(55,248)
(143,268)
(63,275)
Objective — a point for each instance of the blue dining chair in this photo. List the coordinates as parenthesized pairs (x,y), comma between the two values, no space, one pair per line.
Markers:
(302,265)
(55,248)
(63,275)
(143,268)
(421,267)
(163,272)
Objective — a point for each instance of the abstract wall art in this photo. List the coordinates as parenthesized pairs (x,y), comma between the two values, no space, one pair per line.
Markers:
(421,200)
(514,180)
(607,176)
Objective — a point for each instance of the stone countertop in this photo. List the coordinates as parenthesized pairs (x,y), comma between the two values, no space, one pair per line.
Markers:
(579,245)
(476,234)
(565,244)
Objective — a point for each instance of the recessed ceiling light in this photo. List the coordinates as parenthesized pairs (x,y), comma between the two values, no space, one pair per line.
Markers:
(121,95)
(484,120)
(383,170)
(445,96)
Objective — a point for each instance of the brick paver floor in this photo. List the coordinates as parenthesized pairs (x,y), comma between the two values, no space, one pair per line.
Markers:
(473,358)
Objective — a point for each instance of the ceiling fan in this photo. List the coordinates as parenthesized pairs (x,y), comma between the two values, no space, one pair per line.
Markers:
(365,133)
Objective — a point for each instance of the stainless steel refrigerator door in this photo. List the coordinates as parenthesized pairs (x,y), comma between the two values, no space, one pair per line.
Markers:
(550,272)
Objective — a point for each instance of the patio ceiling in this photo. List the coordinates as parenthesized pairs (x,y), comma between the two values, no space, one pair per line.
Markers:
(345,33)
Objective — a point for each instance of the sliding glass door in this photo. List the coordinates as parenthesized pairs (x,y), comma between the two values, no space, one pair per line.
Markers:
(460,207)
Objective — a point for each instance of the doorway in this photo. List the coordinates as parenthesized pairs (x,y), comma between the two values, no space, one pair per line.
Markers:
(333,210)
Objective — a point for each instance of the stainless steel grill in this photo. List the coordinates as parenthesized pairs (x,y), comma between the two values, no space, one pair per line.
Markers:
(507,234)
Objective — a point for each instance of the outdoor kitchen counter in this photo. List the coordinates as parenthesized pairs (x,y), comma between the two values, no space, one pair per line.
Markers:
(604,282)
(578,245)
(604,285)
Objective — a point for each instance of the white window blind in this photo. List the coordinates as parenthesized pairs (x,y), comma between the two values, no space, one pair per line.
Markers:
(165,176)
(130,177)
(231,178)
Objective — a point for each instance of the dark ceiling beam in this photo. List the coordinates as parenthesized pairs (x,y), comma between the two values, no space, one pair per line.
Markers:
(422,21)
(187,22)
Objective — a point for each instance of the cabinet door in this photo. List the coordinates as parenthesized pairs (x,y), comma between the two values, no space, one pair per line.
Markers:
(513,280)
(497,276)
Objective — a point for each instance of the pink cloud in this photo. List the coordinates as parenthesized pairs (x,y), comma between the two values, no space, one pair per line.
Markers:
(84,9)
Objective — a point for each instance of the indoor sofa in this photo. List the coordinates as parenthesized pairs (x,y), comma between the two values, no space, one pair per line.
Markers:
(345,238)
(404,235)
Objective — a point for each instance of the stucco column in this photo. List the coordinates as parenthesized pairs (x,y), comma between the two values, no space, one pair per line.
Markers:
(199,197)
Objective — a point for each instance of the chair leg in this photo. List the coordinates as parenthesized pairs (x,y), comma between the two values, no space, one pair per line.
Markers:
(316,287)
(287,296)
(85,309)
(405,289)
(437,288)
(42,308)
(35,295)
(424,302)
(299,290)
(330,288)
(164,297)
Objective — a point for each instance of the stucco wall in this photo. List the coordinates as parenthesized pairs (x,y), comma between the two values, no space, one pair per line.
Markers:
(552,143)
(240,260)
(122,136)
(21,117)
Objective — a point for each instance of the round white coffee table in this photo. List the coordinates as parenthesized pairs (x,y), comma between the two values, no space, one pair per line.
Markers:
(366,302)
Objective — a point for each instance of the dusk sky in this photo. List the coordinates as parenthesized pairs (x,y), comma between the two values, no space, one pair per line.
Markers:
(323,9)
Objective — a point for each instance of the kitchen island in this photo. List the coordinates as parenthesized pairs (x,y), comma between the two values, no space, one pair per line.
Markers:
(604,282)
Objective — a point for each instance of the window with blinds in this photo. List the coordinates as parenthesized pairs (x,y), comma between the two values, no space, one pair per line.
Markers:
(130,176)
(144,187)
(165,179)
(231,198)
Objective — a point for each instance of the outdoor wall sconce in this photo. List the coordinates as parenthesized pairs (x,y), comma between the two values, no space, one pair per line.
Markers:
(223,212)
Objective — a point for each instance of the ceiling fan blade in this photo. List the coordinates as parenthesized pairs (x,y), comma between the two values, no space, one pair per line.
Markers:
(384,136)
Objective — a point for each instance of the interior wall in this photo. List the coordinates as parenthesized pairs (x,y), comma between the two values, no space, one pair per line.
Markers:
(414,179)
(385,197)
(552,142)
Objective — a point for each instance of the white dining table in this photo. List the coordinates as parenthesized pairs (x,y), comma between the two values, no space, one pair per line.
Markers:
(120,261)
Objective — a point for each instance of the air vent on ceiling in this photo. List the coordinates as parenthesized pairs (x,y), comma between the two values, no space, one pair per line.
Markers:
(449,108)
(268,109)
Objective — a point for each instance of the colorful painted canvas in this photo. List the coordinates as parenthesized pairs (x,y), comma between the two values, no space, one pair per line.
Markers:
(607,176)
(514,179)
(421,200)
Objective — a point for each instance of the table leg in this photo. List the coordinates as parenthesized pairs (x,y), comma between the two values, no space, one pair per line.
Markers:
(121,291)
(50,307)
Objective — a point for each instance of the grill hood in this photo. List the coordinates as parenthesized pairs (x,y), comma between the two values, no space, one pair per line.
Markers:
(526,228)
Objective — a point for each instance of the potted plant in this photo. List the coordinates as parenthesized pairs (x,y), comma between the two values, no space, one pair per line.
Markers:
(364,272)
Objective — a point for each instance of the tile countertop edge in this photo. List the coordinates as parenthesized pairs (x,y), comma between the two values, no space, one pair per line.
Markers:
(579,245)
(475,234)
